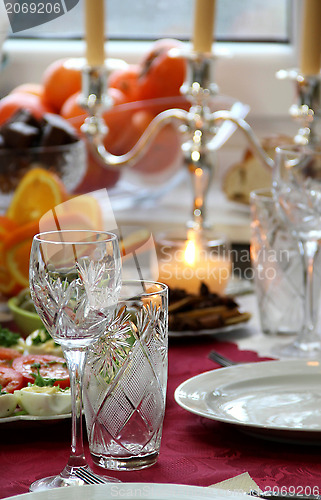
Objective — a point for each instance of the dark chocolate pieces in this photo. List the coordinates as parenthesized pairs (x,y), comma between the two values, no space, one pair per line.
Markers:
(23,130)
(206,311)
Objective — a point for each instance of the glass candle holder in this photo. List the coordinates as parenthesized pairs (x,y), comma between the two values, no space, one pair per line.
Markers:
(190,259)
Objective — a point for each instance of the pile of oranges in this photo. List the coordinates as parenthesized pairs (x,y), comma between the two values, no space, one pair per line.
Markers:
(138,91)
(40,202)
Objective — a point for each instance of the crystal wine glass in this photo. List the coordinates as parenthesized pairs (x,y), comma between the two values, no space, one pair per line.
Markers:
(75,279)
(297,191)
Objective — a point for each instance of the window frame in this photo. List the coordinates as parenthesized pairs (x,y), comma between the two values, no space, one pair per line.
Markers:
(244,70)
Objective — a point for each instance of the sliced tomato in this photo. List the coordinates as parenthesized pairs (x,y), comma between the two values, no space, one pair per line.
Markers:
(52,367)
(7,355)
(10,380)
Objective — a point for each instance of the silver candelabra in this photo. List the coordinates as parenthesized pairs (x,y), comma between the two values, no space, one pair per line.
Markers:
(198,126)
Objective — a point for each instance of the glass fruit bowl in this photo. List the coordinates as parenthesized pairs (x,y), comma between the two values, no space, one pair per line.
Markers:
(126,123)
(67,161)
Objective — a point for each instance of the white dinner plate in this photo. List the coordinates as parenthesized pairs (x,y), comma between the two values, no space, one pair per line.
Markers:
(132,491)
(272,399)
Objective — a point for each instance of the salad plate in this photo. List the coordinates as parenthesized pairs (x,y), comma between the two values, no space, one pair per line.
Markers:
(132,491)
(32,420)
(279,400)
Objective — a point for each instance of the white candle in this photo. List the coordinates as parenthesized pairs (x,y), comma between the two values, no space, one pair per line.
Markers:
(311,38)
(95,32)
(188,268)
(204,19)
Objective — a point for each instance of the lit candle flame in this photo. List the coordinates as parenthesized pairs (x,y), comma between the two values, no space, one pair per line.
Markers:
(190,253)
(191,247)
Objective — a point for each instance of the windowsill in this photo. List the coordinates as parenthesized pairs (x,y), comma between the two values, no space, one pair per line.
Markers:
(137,48)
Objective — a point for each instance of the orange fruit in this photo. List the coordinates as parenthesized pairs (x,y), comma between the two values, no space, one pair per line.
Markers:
(21,100)
(72,109)
(38,191)
(61,79)
(16,249)
(29,88)
(6,226)
(126,80)
(162,75)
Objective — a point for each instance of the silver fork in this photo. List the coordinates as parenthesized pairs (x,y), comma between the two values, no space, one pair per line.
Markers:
(220,359)
(89,477)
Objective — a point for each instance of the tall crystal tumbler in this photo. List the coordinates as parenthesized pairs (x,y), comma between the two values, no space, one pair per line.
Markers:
(277,266)
(126,380)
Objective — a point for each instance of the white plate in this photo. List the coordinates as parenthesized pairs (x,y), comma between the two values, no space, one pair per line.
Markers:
(30,420)
(212,331)
(132,491)
(272,399)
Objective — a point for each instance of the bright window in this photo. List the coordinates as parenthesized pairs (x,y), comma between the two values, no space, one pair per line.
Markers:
(249,20)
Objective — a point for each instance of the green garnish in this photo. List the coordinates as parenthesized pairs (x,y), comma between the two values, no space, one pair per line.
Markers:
(41,381)
(54,362)
(42,337)
(8,338)
(2,392)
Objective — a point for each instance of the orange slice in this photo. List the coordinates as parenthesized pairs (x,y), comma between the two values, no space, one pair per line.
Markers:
(38,191)
(16,249)
(86,205)
(57,219)
(8,285)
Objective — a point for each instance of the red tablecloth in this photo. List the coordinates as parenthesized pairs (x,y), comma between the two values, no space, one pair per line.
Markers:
(194,450)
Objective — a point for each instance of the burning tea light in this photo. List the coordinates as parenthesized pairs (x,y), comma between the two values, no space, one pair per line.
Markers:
(188,264)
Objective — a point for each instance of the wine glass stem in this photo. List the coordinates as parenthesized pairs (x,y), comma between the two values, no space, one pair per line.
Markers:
(76,359)
(308,251)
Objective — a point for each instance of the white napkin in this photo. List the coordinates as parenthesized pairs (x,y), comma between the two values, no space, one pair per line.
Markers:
(241,483)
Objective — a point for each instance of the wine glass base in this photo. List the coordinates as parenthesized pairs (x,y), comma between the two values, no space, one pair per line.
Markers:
(89,477)
(299,349)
